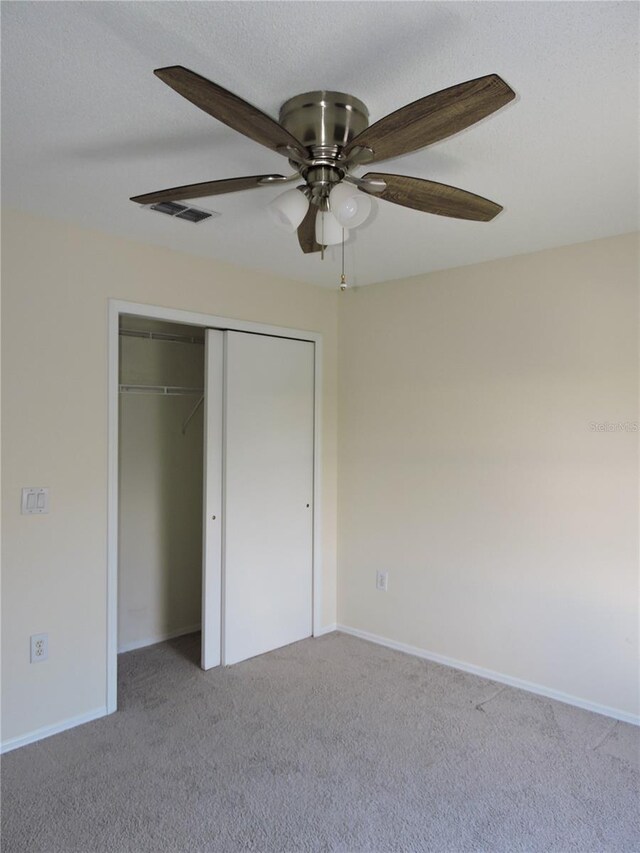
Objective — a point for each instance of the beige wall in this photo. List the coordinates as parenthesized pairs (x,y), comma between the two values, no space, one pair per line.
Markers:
(469,469)
(56,280)
(160,492)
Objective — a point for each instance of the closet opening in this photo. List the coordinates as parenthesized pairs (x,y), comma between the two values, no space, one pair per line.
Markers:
(160,482)
(214,460)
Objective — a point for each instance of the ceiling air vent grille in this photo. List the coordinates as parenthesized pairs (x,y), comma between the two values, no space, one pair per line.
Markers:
(181,211)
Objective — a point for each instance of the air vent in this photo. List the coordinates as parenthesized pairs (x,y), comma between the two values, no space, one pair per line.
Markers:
(181,211)
(192,214)
(169,207)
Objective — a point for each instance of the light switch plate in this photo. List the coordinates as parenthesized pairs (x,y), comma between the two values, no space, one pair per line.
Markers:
(35,500)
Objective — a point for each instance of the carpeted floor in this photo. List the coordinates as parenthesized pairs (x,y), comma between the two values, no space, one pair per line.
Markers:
(326,745)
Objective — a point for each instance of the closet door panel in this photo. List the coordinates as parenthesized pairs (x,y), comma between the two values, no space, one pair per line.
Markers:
(268,453)
(212,500)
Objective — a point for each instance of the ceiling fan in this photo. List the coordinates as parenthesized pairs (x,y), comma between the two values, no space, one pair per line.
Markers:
(324,135)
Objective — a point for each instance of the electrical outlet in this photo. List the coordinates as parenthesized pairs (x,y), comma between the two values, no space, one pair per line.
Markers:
(382,581)
(39,647)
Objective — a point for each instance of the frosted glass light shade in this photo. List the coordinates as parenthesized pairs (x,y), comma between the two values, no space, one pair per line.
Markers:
(349,206)
(289,209)
(328,230)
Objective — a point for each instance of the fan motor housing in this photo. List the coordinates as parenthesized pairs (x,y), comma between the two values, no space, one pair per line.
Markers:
(324,121)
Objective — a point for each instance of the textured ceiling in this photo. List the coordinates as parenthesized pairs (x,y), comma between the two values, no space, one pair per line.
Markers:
(86,124)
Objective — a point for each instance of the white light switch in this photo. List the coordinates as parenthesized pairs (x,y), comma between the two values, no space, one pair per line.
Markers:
(35,501)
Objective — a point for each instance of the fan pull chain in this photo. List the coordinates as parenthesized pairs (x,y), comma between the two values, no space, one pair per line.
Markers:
(343,278)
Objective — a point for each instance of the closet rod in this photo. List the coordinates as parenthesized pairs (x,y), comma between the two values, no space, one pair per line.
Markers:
(165,390)
(160,336)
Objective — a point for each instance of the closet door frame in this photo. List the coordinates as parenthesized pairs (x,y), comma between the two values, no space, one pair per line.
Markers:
(210,321)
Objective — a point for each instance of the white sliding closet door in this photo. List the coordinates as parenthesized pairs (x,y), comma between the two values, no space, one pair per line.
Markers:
(212,499)
(268,489)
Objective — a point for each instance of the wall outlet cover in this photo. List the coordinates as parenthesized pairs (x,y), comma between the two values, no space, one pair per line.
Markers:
(382,581)
(39,647)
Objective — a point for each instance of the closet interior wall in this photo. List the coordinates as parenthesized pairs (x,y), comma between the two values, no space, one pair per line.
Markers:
(160,481)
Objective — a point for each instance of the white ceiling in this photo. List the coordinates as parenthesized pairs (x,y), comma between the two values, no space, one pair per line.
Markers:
(86,124)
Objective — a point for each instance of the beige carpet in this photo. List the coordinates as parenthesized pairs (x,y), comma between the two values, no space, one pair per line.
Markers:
(327,745)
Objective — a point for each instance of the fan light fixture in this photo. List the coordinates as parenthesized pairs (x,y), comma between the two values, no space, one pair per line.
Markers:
(349,206)
(328,229)
(289,209)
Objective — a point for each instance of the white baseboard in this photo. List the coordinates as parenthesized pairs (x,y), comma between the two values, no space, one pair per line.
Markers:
(158,638)
(500,677)
(326,629)
(47,731)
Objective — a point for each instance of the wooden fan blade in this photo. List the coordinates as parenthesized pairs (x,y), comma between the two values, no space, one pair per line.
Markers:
(229,109)
(307,232)
(431,197)
(433,118)
(230,185)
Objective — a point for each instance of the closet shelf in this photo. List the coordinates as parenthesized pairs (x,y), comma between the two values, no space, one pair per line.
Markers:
(161,336)
(165,390)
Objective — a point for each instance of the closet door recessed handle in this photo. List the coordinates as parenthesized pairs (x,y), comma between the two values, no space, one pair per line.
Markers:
(213,518)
